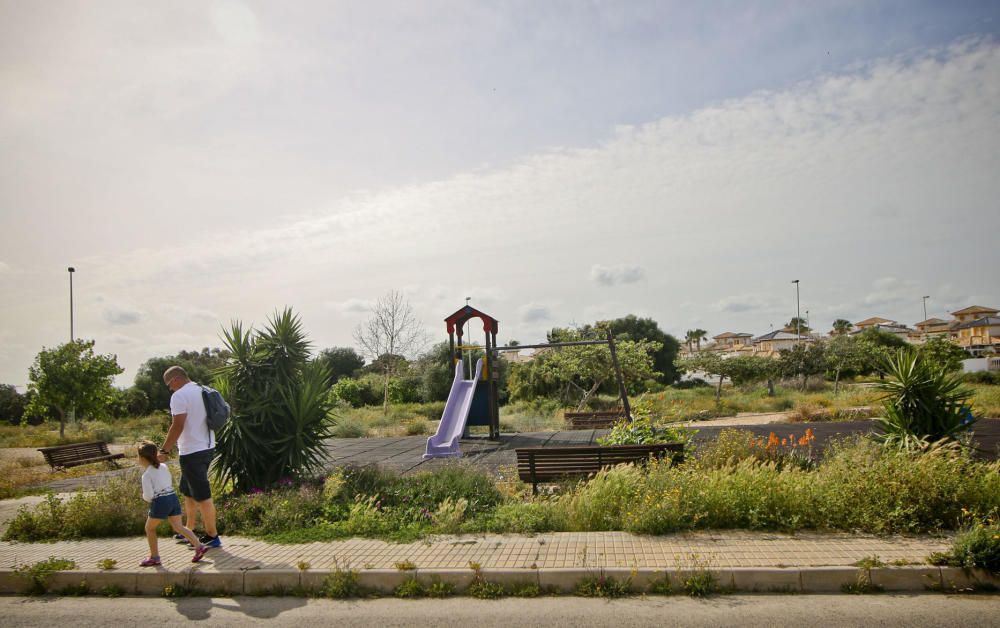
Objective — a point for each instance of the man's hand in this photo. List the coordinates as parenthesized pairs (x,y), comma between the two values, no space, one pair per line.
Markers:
(162,456)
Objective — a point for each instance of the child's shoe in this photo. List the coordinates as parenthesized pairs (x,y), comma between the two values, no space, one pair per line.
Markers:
(152,561)
(199,553)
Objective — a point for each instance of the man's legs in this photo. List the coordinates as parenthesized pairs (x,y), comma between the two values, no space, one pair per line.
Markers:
(207,509)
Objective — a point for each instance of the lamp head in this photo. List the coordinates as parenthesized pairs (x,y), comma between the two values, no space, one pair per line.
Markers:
(71,269)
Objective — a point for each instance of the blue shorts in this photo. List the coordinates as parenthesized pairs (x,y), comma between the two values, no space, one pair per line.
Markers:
(165,506)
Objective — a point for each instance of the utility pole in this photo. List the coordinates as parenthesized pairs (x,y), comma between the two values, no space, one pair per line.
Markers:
(925,305)
(72,336)
(798,318)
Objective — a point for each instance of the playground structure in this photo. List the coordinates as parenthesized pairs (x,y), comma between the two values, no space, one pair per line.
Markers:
(475,401)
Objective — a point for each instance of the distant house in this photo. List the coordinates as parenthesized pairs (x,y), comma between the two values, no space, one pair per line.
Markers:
(779,340)
(892,327)
(980,336)
(873,322)
(974,312)
(731,340)
(935,327)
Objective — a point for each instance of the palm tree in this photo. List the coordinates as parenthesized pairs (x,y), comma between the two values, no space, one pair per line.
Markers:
(689,338)
(699,335)
(841,326)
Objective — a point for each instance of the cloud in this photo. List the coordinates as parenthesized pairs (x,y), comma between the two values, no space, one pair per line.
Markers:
(888,292)
(189,313)
(534,313)
(119,315)
(5,268)
(742,303)
(354,306)
(617,274)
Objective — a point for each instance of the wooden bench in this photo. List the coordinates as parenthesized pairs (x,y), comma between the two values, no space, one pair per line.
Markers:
(65,456)
(548,464)
(592,420)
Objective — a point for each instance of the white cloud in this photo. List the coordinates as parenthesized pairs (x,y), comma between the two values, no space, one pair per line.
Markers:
(534,313)
(355,306)
(189,313)
(889,292)
(742,303)
(5,268)
(617,274)
(123,315)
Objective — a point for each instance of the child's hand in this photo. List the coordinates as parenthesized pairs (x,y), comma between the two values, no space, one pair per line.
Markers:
(162,457)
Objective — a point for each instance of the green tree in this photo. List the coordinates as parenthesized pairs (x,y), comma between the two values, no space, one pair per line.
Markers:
(841,327)
(72,376)
(804,360)
(740,370)
(943,354)
(632,327)
(584,368)
(878,346)
(200,366)
(12,404)
(802,327)
(698,335)
(844,354)
(341,362)
(281,403)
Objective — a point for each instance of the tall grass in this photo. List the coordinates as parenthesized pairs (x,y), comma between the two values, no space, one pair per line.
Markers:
(859,485)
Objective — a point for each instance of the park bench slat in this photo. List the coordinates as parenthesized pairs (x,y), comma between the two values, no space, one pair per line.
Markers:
(538,464)
(592,420)
(76,454)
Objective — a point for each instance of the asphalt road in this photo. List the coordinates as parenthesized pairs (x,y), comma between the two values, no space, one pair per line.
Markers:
(734,610)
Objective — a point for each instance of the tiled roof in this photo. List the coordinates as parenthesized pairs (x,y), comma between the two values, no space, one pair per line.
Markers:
(986,321)
(875,320)
(973,309)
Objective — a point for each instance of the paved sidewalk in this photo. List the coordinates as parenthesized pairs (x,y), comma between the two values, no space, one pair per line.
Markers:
(546,551)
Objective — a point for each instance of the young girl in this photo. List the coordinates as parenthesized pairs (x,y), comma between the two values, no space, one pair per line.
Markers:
(158,490)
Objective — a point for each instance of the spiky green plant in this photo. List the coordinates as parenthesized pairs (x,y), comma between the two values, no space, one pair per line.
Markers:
(280,405)
(923,404)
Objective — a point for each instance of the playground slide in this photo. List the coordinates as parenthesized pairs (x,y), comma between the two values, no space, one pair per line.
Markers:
(444,443)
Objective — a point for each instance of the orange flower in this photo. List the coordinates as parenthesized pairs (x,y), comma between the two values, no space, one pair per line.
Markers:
(784,441)
(804,441)
(772,440)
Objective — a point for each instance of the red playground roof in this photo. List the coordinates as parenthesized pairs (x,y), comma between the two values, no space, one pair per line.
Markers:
(460,317)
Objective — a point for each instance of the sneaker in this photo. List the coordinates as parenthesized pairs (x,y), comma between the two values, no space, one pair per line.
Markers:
(152,561)
(179,536)
(211,541)
(199,553)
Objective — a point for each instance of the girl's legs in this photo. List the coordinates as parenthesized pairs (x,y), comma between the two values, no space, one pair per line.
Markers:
(154,545)
(179,528)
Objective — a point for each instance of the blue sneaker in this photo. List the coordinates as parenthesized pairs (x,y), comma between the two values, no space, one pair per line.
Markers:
(211,541)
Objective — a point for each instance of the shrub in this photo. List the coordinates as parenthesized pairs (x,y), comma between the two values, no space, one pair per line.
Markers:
(604,586)
(36,577)
(977,546)
(349,390)
(642,431)
(342,584)
(923,404)
(410,588)
(349,428)
(485,590)
(982,377)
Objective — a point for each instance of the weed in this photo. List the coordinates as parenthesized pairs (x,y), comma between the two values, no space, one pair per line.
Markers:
(474,566)
(868,562)
(76,590)
(409,589)
(525,589)
(862,585)
(485,590)
(106,564)
(302,565)
(177,590)
(439,589)
(604,586)
(342,584)
(112,590)
(405,565)
(661,586)
(37,575)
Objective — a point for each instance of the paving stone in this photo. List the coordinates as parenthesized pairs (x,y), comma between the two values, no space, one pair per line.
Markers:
(766,579)
(828,579)
(257,581)
(906,578)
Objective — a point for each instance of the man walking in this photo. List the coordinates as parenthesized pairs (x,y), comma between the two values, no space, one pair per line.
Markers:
(196,446)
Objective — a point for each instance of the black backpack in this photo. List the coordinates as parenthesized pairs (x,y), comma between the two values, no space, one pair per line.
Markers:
(217,411)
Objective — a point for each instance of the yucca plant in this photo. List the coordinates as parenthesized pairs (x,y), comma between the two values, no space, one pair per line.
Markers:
(923,404)
(281,406)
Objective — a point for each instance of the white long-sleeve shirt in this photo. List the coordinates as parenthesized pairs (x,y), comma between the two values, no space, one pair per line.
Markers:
(156,482)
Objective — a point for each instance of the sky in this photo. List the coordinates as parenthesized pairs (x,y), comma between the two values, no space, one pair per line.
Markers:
(557,162)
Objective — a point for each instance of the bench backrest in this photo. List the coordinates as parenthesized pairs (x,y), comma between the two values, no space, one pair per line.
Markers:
(536,463)
(75,451)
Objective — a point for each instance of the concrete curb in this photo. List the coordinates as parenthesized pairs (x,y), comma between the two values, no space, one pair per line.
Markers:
(566,581)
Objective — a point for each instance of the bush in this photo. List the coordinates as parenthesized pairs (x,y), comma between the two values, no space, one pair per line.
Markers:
(982,377)
(978,546)
(923,403)
(349,390)
(642,431)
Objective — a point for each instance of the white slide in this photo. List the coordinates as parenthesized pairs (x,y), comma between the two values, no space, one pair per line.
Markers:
(444,444)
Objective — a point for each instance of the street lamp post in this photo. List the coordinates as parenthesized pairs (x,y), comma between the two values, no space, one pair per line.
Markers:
(798,319)
(925,305)
(72,336)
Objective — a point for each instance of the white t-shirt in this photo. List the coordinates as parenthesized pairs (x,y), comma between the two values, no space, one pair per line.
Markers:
(195,436)
(156,482)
